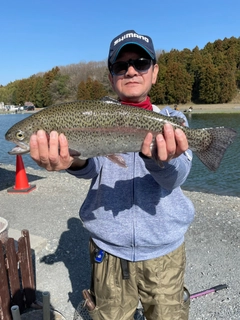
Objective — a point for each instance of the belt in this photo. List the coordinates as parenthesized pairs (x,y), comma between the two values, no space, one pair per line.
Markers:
(125,269)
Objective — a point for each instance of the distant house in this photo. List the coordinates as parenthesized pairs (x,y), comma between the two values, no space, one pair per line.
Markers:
(29,104)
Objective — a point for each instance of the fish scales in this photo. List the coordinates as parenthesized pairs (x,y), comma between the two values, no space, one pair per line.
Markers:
(97,128)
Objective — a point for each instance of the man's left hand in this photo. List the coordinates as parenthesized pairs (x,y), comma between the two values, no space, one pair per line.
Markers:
(169,145)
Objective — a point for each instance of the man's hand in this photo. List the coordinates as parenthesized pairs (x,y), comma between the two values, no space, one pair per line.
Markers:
(170,145)
(51,154)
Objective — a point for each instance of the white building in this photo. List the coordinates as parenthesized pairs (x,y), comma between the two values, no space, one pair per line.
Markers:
(10,107)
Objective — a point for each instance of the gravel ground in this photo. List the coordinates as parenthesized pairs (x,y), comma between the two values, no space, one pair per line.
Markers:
(61,262)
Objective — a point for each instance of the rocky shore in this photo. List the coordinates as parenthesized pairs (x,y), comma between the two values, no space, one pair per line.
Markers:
(60,243)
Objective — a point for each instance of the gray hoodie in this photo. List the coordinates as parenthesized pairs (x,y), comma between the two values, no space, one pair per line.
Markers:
(139,212)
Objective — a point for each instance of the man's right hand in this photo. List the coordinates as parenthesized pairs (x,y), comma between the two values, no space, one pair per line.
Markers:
(52,153)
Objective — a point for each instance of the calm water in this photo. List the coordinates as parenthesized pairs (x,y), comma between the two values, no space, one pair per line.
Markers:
(6,121)
(226,180)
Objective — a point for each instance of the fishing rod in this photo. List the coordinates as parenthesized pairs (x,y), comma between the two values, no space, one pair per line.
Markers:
(207,291)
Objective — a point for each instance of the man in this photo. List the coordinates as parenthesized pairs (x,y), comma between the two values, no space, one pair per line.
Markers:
(137,216)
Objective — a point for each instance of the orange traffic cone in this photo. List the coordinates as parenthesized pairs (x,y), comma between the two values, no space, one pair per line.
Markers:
(21,181)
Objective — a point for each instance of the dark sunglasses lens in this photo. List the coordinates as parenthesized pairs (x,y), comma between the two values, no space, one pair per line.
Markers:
(120,67)
(142,64)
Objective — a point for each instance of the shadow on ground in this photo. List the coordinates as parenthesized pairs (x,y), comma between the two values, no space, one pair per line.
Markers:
(8,178)
(72,250)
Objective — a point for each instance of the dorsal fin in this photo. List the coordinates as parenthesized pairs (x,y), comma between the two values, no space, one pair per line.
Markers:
(110,100)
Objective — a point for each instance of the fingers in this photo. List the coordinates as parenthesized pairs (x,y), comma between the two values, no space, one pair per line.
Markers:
(182,142)
(34,147)
(146,146)
(166,144)
(64,150)
(161,148)
(169,145)
(39,146)
(51,152)
(64,156)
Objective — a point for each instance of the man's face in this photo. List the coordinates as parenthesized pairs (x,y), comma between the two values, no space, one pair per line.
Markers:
(134,85)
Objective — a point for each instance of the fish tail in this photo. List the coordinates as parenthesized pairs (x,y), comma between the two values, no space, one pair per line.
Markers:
(219,140)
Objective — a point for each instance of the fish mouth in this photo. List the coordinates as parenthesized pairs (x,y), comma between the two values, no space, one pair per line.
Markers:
(20,148)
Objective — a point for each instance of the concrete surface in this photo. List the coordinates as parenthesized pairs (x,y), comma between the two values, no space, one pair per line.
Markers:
(60,243)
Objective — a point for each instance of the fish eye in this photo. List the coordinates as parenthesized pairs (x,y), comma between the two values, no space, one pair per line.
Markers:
(20,135)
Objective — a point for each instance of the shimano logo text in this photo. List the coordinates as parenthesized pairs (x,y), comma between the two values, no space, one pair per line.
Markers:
(130,35)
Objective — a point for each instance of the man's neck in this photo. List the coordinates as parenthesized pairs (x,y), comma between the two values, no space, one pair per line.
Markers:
(146,104)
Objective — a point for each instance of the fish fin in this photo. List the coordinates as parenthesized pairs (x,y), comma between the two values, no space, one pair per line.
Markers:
(221,138)
(110,100)
(160,163)
(74,153)
(180,121)
(118,159)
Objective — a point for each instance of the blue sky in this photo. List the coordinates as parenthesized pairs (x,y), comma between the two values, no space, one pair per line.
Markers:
(37,35)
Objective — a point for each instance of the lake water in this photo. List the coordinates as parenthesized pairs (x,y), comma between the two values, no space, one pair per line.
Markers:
(6,121)
(225,181)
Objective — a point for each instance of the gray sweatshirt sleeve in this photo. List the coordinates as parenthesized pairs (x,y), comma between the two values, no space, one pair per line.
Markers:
(90,171)
(171,174)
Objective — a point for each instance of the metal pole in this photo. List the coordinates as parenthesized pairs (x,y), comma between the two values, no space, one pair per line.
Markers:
(15,312)
(46,305)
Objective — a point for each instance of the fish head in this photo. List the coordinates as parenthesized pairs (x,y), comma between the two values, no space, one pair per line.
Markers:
(20,137)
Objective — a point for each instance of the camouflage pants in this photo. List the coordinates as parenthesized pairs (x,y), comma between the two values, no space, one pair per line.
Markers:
(158,283)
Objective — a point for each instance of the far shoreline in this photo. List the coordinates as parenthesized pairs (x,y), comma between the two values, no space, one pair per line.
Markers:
(196,108)
(207,108)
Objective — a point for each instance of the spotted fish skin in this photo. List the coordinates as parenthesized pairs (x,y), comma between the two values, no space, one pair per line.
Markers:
(98,128)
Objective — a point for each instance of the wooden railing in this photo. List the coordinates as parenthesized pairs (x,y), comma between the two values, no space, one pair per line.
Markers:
(17,286)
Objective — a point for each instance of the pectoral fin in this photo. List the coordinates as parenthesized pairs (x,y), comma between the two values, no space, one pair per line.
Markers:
(74,153)
(118,159)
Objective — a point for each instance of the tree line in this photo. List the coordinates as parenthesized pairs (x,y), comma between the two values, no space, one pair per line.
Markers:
(210,75)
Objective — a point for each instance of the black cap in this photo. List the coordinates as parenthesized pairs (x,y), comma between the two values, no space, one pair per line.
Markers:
(130,37)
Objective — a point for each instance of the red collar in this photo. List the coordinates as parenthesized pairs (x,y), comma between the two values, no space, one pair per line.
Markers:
(144,104)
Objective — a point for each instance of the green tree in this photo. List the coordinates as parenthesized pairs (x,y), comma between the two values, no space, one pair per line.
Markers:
(48,78)
(209,87)
(195,71)
(38,100)
(98,91)
(83,93)
(212,75)
(227,83)
(91,90)
(59,89)
(178,83)
(158,91)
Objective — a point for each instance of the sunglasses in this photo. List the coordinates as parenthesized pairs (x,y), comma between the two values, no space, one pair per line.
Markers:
(119,68)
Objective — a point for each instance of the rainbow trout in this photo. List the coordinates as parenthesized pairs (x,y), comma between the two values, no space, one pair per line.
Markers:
(100,128)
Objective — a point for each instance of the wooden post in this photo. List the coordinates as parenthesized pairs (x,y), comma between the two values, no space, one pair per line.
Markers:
(4,288)
(17,286)
(17,297)
(26,267)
